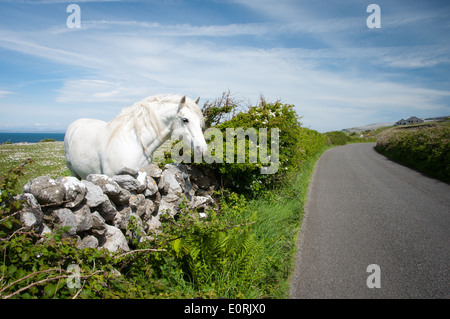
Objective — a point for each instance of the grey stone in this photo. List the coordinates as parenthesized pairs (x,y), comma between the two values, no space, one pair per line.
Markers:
(115,239)
(142,178)
(45,190)
(45,230)
(136,201)
(201,201)
(75,191)
(153,225)
(128,171)
(146,210)
(171,181)
(152,170)
(64,217)
(151,186)
(122,198)
(88,242)
(130,183)
(31,215)
(169,204)
(122,217)
(98,225)
(84,218)
(141,206)
(109,187)
(94,194)
(107,210)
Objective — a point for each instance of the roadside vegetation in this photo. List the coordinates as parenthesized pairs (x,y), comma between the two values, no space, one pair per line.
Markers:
(424,147)
(245,248)
(341,138)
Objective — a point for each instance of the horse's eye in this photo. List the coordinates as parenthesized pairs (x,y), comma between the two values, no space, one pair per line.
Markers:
(185,120)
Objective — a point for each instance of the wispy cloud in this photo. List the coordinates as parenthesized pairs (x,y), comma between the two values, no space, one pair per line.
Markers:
(4,93)
(97,91)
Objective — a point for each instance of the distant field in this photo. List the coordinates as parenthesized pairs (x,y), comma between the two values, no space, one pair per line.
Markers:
(48,159)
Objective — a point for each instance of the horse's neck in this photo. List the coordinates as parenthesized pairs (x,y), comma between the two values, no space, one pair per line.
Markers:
(166,115)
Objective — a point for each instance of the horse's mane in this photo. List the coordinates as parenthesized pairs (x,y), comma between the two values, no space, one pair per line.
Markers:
(142,115)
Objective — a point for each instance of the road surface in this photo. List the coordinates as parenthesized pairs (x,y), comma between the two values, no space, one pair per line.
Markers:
(364,209)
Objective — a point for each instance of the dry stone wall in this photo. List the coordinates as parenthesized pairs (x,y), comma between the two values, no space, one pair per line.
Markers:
(99,209)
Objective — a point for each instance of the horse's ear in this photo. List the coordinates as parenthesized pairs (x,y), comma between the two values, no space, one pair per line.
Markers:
(197,100)
(183,100)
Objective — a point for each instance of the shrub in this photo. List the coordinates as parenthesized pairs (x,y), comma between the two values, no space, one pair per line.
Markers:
(425,148)
(337,138)
(296,145)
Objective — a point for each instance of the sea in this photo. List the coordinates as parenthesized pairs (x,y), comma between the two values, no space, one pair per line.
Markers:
(29,137)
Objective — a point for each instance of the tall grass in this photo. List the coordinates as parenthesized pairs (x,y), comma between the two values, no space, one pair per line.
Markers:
(278,223)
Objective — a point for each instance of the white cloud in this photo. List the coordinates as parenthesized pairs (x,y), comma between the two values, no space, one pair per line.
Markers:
(96,91)
(4,93)
(40,44)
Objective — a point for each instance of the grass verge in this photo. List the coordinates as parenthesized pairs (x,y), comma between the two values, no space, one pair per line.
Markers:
(278,225)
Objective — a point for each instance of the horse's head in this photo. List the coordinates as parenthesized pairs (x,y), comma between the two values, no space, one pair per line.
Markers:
(189,123)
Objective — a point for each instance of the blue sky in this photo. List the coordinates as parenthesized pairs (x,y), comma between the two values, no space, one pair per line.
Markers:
(318,55)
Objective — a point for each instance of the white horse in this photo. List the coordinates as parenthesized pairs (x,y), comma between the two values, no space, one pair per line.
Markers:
(129,140)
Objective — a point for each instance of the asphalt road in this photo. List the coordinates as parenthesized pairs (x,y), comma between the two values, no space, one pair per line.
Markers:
(364,209)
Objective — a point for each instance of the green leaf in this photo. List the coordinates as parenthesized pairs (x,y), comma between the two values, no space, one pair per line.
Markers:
(8,224)
(50,290)
(34,290)
(25,256)
(11,270)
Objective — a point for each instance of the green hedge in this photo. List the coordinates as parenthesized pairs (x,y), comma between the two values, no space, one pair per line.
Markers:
(425,148)
(337,138)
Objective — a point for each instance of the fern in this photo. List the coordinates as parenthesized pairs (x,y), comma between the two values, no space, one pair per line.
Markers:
(215,253)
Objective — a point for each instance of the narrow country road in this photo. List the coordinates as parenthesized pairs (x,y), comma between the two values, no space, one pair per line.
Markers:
(364,209)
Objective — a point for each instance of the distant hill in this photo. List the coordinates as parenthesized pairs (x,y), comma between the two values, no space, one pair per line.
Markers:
(363,128)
